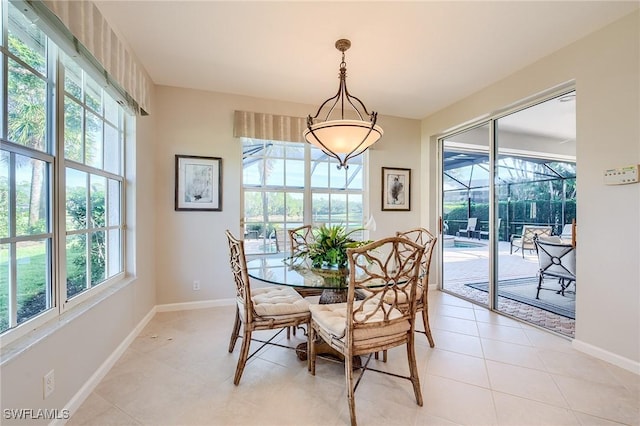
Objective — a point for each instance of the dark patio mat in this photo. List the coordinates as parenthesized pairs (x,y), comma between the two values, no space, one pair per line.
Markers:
(517,290)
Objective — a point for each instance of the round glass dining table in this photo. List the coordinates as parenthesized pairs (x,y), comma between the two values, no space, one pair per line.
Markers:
(331,284)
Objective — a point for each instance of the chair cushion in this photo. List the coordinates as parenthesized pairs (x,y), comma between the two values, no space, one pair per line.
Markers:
(390,296)
(277,300)
(333,318)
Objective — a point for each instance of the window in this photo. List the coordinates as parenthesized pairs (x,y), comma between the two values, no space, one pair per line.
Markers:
(68,154)
(288,184)
(93,140)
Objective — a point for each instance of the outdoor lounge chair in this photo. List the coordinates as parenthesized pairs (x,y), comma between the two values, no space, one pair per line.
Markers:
(526,240)
(481,233)
(567,232)
(471,228)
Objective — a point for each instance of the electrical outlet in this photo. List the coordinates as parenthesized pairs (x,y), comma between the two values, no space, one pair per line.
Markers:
(48,383)
(196,285)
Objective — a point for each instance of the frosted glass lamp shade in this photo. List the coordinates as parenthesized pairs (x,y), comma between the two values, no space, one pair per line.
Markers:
(343,136)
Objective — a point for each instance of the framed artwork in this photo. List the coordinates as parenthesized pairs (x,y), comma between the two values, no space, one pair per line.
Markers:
(396,189)
(198,183)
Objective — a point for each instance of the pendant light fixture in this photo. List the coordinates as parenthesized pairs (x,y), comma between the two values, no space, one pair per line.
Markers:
(341,137)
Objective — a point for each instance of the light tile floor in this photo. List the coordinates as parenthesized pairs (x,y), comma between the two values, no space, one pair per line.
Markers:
(486,369)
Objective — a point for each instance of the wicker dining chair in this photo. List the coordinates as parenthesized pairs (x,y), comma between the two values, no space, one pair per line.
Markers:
(300,238)
(389,271)
(264,308)
(426,239)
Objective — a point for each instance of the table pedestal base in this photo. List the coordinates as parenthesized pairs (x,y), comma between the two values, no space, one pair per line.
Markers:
(322,348)
(330,296)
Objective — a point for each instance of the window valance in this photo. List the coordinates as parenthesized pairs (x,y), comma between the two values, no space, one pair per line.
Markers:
(86,24)
(268,126)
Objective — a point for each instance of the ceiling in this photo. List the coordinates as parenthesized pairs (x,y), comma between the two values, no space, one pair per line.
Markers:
(407,59)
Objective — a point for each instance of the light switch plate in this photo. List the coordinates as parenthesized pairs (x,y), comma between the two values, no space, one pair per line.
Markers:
(622,175)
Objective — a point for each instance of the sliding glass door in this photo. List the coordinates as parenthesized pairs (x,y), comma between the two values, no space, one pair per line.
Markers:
(465,205)
(506,182)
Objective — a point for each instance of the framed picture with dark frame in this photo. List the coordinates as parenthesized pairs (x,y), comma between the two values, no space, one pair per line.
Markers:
(198,183)
(396,189)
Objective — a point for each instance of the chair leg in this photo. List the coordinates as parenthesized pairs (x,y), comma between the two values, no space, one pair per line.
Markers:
(309,347)
(427,329)
(244,354)
(539,287)
(311,350)
(348,372)
(236,331)
(413,368)
(563,286)
(376,356)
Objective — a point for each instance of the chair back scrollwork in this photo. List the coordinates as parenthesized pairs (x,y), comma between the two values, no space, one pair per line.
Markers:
(238,263)
(387,272)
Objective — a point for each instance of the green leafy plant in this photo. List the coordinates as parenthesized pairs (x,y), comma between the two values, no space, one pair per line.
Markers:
(330,246)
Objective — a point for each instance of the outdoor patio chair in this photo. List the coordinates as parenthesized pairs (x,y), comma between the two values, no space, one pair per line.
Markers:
(471,228)
(428,241)
(389,271)
(526,240)
(557,261)
(265,308)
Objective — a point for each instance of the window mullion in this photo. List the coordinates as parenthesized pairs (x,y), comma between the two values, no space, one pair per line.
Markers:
(60,208)
(307,195)
(88,235)
(13,268)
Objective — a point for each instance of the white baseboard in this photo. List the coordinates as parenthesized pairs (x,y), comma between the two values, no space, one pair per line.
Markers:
(84,392)
(617,360)
(186,306)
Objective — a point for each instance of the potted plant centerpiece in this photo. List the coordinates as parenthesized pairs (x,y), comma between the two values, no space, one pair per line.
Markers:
(329,250)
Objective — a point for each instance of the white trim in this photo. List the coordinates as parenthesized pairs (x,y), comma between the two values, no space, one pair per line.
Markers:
(604,355)
(187,306)
(513,151)
(76,401)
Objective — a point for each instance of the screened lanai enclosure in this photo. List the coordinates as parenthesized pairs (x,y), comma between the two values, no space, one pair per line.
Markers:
(529,191)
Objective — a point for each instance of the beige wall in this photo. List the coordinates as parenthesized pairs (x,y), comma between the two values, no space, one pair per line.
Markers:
(191,245)
(86,336)
(606,68)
